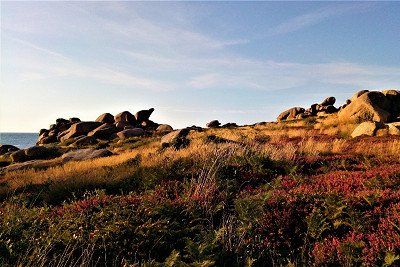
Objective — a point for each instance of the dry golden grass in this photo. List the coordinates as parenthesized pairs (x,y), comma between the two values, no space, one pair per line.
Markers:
(283,141)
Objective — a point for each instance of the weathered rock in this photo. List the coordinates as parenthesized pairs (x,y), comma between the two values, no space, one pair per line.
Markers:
(164,129)
(61,121)
(143,115)
(47,140)
(135,132)
(105,118)
(80,128)
(62,127)
(176,139)
(394,98)
(149,125)
(104,132)
(84,141)
(7,148)
(43,131)
(358,94)
(195,128)
(394,128)
(367,128)
(229,125)
(125,117)
(330,101)
(213,124)
(41,152)
(370,106)
(74,120)
(87,153)
(330,109)
(290,114)
(123,125)
(18,156)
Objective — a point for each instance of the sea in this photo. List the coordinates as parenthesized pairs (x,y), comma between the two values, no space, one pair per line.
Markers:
(20,140)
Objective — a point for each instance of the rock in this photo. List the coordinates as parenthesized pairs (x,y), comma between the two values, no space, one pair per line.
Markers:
(290,114)
(313,109)
(229,125)
(7,148)
(135,132)
(358,94)
(104,132)
(143,115)
(43,131)
(176,139)
(125,117)
(123,125)
(87,153)
(330,109)
(47,140)
(195,128)
(41,152)
(394,128)
(80,128)
(149,125)
(18,156)
(105,118)
(61,121)
(367,128)
(370,106)
(330,101)
(394,98)
(84,141)
(213,124)
(164,129)
(62,127)
(74,120)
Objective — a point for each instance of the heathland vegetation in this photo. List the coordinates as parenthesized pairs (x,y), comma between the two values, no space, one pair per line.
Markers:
(296,192)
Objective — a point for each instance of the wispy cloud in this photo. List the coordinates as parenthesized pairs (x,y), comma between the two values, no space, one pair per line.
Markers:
(305,20)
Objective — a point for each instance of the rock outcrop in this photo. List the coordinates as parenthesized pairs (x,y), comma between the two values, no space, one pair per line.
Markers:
(290,114)
(34,153)
(105,128)
(176,139)
(143,115)
(213,124)
(134,132)
(372,128)
(87,153)
(104,132)
(164,129)
(7,149)
(78,129)
(125,117)
(105,118)
(369,106)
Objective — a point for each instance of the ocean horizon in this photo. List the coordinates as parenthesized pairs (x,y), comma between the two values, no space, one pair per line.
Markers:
(20,140)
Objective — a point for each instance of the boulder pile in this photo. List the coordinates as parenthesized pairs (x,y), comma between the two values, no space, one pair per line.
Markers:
(362,106)
(322,109)
(105,127)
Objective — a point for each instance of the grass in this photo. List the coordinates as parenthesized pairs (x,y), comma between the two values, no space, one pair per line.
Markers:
(295,193)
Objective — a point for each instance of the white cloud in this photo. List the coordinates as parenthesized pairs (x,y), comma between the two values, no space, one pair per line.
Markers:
(314,17)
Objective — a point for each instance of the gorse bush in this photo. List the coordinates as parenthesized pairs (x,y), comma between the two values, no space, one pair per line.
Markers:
(252,196)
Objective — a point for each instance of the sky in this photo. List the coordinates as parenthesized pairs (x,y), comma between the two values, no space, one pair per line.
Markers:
(242,62)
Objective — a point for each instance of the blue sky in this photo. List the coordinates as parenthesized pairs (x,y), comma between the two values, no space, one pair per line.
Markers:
(193,62)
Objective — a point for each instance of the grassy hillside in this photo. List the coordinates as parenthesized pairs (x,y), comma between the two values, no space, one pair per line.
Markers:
(300,192)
